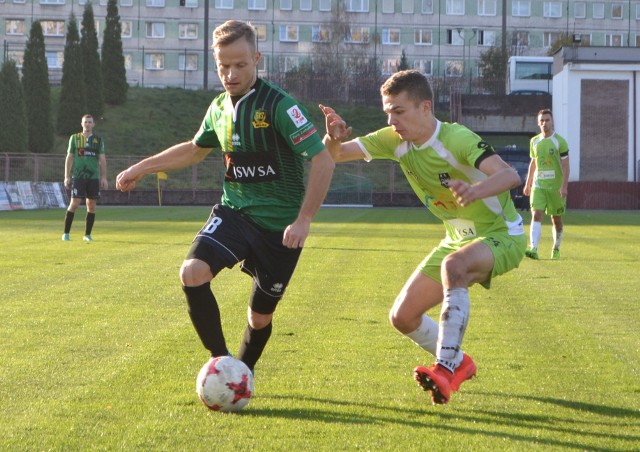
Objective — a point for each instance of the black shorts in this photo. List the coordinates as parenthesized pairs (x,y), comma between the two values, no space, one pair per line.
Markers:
(228,238)
(85,188)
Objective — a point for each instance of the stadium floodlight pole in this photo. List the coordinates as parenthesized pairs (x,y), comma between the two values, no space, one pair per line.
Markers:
(205,84)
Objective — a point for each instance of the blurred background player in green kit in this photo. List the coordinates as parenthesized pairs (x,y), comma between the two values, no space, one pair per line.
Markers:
(547,183)
(85,173)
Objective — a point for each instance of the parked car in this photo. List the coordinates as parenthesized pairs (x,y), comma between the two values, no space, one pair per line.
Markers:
(519,159)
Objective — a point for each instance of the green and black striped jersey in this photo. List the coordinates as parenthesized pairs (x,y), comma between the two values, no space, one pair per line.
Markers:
(265,138)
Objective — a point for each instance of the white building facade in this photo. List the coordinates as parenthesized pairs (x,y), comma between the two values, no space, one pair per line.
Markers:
(166,42)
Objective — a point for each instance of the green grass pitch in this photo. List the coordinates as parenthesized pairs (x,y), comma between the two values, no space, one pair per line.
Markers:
(97,351)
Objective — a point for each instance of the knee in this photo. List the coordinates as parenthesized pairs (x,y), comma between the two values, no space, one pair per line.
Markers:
(454,269)
(195,272)
(259,321)
(400,318)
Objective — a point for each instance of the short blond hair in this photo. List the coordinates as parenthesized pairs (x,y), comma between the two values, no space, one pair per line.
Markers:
(232,30)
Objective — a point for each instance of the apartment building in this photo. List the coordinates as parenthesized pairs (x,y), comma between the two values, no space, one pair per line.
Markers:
(165,42)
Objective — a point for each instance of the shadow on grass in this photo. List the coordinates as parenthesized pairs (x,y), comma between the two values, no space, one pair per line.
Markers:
(434,418)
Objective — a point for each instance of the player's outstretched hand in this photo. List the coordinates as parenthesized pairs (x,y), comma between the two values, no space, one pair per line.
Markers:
(336,126)
(125,181)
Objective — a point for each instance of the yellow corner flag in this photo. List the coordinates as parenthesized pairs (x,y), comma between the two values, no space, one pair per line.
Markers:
(161,176)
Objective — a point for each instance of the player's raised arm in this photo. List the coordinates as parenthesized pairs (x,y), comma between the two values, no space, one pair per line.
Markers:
(175,157)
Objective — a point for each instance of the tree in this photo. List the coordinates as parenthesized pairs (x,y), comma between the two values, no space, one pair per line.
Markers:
(564,40)
(72,95)
(35,84)
(113,71)
(91,63)
(403,65)
(493,66)
(13,115)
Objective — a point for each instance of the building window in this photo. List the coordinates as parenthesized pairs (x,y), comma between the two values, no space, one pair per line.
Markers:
(453,68)
(580,10)
(427,7)
(486,38)
(637,12)
(188,31)
(257,5)
(487,8)
(286,5)
(585,39)
(14,26)
(19,1)
(188,62)
(357,6)
(261,32)
(324,5)
(154,61)
(454,37)
(358,35)
(423,37)
(389,66)
(224,4)
(126,27)
(54,59)
(52,28)
(288,33)
(424,66)
(51,2)
(388,6)
(552,9)
(613,40)
(407,6)
(521,8)
(320,33)
(598,10)
(391,36)
(616,11)
(290,63)
(155,3)
(520,39)
(455,8)
(191,3)
(155,30)
(305,5)
(550,38)
(638,40)
(128,61)
(16,56)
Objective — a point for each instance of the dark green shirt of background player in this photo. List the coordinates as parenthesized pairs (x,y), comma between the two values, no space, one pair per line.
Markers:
(265,139)
(86,152)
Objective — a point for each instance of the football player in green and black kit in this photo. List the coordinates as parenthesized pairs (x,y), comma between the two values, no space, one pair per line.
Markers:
(85,173)
(547,183)
(465,184)
(265,213)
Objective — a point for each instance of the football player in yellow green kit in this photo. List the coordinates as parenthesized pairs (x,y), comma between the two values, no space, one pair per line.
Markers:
(464,183)
(547,182)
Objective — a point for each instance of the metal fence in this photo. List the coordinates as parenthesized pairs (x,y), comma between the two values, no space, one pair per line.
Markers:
(351,179)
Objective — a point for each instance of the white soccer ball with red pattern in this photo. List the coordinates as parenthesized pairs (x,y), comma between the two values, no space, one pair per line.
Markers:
(225,384)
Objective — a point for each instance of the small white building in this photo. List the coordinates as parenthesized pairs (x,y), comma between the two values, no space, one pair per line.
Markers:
(596,107)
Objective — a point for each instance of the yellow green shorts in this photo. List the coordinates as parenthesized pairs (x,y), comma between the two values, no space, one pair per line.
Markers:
(508,252)
(548,200)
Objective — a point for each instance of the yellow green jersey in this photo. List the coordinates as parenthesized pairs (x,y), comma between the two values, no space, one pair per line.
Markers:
(547,153)
(452,153)
(86,152)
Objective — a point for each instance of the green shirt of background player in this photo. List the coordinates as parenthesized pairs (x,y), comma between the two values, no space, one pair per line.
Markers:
(85,173)
(265,213)
(547,183)
(465,184)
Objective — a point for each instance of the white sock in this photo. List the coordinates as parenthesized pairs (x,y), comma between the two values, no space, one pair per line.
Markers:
(426,335)
(536,232)
(557,238)
(453,323)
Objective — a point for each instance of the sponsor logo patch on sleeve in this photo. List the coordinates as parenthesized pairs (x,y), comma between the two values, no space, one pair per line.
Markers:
(300,135)
(296,116)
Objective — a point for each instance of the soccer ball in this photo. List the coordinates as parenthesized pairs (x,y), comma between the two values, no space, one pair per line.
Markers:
(225,384)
